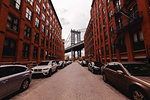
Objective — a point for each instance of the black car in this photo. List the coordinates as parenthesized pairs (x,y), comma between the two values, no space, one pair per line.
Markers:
(95,67)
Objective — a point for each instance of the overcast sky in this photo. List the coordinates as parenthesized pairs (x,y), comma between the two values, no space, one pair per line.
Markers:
(73,14)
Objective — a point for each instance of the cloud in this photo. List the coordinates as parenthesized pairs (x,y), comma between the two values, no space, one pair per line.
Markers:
(64,21)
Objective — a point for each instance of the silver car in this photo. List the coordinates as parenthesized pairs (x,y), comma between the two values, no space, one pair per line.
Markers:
(45,68)
(13,78)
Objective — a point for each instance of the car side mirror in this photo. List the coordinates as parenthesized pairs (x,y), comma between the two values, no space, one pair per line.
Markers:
(119,71)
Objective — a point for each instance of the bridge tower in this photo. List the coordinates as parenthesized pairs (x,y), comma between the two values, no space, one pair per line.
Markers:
(75,38)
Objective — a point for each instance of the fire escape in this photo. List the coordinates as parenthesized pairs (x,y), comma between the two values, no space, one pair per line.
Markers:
(130,11)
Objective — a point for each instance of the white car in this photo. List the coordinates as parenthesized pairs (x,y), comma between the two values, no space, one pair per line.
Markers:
(45,68)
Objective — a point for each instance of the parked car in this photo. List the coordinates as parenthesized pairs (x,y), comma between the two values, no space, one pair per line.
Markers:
(84,63)
(131,77)
(95,67)
(45,68)
(13,78)
(60,64)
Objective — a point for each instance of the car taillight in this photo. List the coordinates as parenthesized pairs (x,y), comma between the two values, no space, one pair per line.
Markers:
(30,71)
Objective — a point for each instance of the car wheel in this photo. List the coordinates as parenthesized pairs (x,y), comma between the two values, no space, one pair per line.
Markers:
(24,85)
(138,94)
(50,73)
(105,78)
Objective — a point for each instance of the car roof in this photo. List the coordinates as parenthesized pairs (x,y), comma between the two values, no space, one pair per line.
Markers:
(13,65)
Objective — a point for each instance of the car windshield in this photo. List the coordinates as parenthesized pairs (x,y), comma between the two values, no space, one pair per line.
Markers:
(60,62)
(98,64)
(43,63)
(138,69)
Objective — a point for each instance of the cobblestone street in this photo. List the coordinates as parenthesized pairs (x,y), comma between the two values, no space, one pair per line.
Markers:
(71,83)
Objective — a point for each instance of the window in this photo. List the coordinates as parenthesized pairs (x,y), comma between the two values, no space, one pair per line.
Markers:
(28,14)
(138,40)
(31,2)
(47,23)
(12,22)
(35,53)
(107,50)
(39,1)
(118,4)
(46,43)
(50,27)
(111,29)
(47,13)
(122,45)
(108,3)
(51,12)
(37,22)
(10,70)
(104,23)
(27,32)
(38,9)
(103,11)
(105,36)
(50,36)
(110,15)
(51,19)
(9,48)
(103,1)
(43,17)
(43,28)
(48,6)
(44,7)
(46,54)
(42,41)
(16,3)
(42,54)
(25,50)
(47,32)
(101,39)
(102,52)
(36,37)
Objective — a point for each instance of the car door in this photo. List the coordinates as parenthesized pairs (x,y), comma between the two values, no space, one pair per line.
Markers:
(16,78)
(3,82)
(121,80)
(53,66)
(110,73)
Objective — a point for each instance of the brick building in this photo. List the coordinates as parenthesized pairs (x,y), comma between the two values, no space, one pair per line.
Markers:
(89,42)
(121,30)
(29,31)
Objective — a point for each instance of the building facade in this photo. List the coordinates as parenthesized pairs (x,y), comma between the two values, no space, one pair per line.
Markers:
(89,42)
(121,30)
(29,31)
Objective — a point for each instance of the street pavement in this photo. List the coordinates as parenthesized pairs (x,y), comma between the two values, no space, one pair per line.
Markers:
(74,82)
